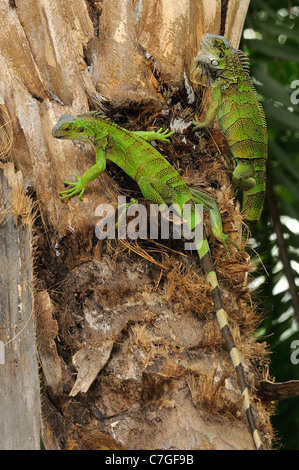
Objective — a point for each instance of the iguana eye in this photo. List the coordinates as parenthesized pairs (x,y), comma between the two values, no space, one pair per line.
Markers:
(80,129)
(221,55)
(214,62)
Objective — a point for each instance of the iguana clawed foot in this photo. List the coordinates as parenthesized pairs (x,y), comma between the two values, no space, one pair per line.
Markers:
(224,239)
(164,135)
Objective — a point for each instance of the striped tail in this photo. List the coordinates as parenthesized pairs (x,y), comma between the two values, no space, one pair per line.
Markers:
(208,265)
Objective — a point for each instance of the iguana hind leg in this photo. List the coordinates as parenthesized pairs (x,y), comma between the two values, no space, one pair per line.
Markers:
(210,206)
(242,176)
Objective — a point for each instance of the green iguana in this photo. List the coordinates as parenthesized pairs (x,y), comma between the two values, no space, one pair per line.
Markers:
(240,115)
(161,183)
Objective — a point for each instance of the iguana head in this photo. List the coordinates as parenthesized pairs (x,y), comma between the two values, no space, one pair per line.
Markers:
(70,127)
(215,59)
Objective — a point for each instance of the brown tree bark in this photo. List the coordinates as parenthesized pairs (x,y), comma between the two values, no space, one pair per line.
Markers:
(130,353)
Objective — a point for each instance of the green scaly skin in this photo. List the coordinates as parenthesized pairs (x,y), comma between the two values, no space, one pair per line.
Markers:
(161,183)
(240,115)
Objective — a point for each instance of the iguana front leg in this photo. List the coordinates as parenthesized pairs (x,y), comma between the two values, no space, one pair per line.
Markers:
(91,174)
(212,110)
(242,176)
(152,135)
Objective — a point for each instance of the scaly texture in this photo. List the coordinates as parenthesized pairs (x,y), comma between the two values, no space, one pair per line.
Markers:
(160,182)
(240,115)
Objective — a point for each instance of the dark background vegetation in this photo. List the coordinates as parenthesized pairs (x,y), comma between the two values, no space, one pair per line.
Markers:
(271,39)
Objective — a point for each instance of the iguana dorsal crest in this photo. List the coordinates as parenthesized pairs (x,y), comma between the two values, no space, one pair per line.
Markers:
(244,62)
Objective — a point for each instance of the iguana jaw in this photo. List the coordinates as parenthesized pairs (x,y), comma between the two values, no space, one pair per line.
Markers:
(201,73)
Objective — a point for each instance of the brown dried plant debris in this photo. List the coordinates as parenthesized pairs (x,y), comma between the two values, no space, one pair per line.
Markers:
(150,344)
(212,339)
(156,390)
(22,206)
(186,287)
(136,248)
(90,437)
(210,394)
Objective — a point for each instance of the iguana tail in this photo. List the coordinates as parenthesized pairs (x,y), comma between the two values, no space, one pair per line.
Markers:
(204,253)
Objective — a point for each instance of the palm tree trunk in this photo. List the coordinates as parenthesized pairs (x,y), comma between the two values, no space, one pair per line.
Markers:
(130,354)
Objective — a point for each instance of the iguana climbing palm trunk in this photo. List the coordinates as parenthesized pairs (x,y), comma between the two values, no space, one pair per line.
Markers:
(126,360)
(240,114)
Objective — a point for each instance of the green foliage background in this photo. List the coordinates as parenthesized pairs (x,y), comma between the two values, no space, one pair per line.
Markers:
(271,39)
